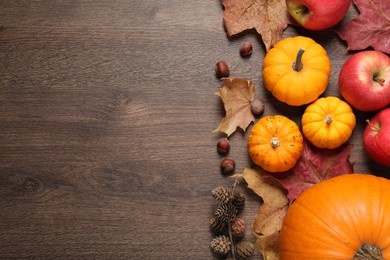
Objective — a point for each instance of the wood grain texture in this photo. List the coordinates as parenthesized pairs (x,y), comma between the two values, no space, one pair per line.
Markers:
(107,108)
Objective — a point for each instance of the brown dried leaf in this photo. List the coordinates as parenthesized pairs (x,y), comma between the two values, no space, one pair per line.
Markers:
(370,28)
(237,95)
(269,219)
(268,246)
(268,17)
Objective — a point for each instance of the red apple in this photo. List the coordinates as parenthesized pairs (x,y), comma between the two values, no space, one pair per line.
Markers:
(364,80)
(317,14)
(377,137)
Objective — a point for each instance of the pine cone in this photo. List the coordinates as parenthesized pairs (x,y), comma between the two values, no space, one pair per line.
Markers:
(238,227)
(244,250)
(226,212)
(221,194)
(238,201)
(221,244)
(217,224)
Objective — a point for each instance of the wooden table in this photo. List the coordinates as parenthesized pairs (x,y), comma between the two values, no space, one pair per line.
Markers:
(107,112)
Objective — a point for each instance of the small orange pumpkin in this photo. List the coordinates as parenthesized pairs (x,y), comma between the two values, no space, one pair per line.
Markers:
(345,217)
(328,122)
(296,70)
(275,143)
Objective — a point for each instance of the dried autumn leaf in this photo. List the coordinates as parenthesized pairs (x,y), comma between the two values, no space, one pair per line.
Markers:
(270,216)
(237,95)
(268,17)
(370,28)
(269,219)
(268,246)
(315,165)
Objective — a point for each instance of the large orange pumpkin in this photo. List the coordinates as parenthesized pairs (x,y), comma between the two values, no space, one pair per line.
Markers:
(345,217)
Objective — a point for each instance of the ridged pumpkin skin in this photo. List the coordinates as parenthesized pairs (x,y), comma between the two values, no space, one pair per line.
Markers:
(332,219)
(275,143)
(296,87)
(328,122)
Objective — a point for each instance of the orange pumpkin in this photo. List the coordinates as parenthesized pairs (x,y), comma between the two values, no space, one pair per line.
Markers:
(345,217)
(296,71)
(275,143)
(328,122)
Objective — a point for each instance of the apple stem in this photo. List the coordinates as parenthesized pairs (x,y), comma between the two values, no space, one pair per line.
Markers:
(374,127)
(379,80)
(302,10)
(297,65)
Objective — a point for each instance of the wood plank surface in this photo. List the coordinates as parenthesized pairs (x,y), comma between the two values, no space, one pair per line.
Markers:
(106,119)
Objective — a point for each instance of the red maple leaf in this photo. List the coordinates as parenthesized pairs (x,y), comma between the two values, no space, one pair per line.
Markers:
(370,28)
(314,166)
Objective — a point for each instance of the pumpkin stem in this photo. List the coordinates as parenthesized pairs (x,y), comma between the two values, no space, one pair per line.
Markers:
(368,252)
(297,65)
(328,119)
(274,142)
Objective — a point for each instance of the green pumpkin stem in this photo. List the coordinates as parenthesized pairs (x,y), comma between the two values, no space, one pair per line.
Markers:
(297,65)
(368,252)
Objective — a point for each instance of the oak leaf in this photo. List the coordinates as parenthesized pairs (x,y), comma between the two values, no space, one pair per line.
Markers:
(269,219)
(315,165)
(237,95)
(268,17)
(370,28)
